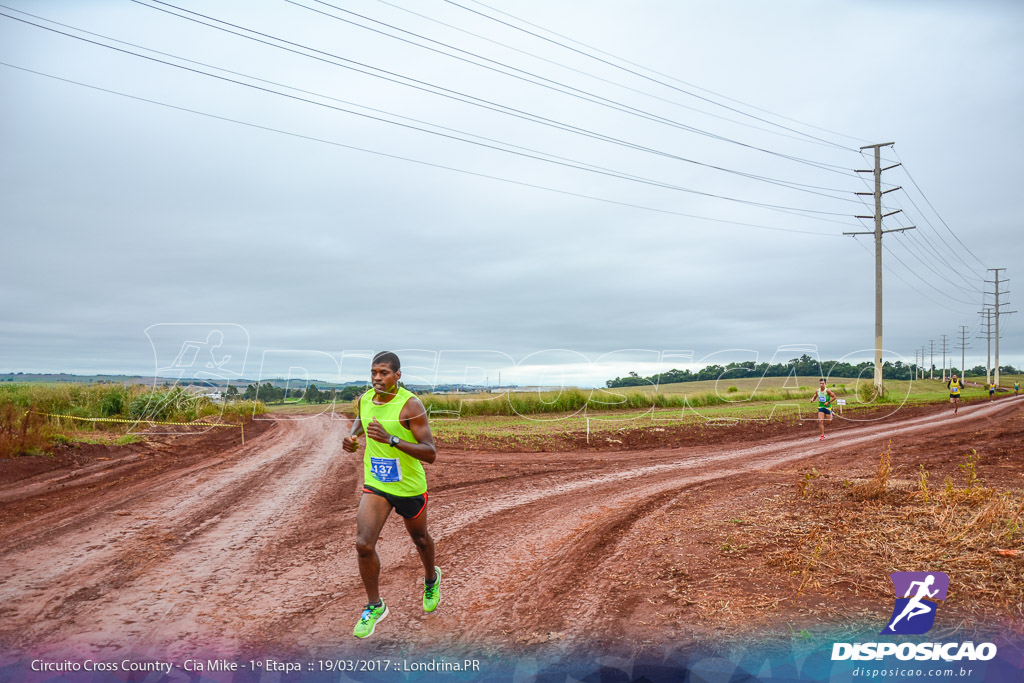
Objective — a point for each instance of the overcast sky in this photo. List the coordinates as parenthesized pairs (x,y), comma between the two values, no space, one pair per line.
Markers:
(292,226)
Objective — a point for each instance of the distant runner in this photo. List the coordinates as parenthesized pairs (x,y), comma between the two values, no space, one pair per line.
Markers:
(955,385)
(991,391)
(1016,388)
(399,441)
(824,396)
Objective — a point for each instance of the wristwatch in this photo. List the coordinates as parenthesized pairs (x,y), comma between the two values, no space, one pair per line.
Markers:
(393,441)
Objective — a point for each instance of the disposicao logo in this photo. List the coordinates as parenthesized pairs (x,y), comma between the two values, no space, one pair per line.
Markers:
(914,612)
(917,598)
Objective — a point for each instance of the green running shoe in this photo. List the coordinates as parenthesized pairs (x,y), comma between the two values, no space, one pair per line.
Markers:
(368,621)
(432,593)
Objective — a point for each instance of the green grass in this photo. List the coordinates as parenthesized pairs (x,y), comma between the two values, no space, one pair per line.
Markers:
(688,407)
(27,425)
(124,440)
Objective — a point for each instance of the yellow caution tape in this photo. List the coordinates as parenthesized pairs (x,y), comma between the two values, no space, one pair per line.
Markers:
(135,421)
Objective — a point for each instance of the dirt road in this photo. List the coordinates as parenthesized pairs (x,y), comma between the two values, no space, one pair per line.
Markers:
(250,548)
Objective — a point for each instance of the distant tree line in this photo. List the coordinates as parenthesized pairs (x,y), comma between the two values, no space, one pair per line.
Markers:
(804,366)
(268,393)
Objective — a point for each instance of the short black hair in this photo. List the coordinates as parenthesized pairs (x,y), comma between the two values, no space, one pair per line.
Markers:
(389,358)
(822,379)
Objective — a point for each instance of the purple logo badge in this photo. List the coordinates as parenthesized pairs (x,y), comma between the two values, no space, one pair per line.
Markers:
(917,598)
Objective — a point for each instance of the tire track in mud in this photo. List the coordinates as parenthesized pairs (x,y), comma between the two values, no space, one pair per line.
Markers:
(174,567)
(527,565)
(252,549)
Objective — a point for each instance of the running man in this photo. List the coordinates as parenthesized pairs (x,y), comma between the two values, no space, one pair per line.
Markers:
(915,606)
(1016,388)
(955,385)
(991,391)
(399,441)
(824,396)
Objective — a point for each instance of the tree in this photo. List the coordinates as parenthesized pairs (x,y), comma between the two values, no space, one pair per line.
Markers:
(232,393)
(313,395)
(351,392)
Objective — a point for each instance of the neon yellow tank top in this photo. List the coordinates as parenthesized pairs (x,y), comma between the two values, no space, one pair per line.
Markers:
(954,386)
(385,468)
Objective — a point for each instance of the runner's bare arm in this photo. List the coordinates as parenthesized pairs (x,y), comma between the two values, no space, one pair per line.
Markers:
(414,417)
(350,443)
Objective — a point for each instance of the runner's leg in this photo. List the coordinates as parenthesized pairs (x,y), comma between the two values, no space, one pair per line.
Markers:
(424,543)
(373,512)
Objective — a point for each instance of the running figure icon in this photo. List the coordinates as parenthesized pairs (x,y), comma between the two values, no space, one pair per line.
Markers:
(915,607)
(918,595)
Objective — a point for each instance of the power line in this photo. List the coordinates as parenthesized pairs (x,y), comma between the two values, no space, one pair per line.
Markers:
(617,84)
(413,160)
(942,239)
(635,73)
(454,94)
(579,93)
(901,279)
(939,216)
(672,78)
(924,244)
(933,287)
(614,174)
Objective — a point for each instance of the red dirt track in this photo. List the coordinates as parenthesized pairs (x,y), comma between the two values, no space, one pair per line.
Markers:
(199,544)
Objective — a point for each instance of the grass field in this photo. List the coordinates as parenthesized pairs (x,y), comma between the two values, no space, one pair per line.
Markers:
(530,418)
(35,417)
(525,417)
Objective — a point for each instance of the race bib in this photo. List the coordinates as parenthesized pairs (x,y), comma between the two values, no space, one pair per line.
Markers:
(386,470)
(823,399)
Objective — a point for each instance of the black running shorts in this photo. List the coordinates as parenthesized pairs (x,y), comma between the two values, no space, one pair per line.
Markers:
(409,507)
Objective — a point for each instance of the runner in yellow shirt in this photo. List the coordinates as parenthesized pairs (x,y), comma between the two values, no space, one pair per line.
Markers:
(399,443)
(955,386)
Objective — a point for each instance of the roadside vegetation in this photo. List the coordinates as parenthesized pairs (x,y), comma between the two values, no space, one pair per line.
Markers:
(28,425)
(962,525)
(531,419)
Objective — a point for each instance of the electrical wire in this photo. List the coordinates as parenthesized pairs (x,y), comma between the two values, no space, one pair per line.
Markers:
(617,84)
(937,214)
(579,93)
(636,73)
(924,216)
(918,276)
(900,277)
(479,101)
(416,161)
(690,85)
(774,207)
(939,256)
(526,76)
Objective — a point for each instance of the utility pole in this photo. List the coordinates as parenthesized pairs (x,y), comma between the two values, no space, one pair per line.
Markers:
(931,359)
(878,232)
(944,357)
(922,361)
(988,337)
(963,346)
(997,313)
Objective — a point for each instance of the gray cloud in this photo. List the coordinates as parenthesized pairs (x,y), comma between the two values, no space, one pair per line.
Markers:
(117,214)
